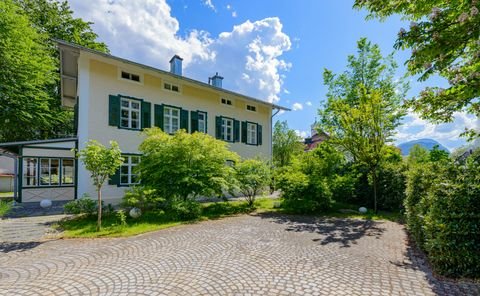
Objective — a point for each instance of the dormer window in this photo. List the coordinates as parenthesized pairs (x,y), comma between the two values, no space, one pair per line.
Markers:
(171,87)
(130,76)
(252,108)
(226,102)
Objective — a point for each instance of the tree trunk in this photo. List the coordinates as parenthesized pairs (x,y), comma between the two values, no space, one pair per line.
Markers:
(99,210)
(375,191)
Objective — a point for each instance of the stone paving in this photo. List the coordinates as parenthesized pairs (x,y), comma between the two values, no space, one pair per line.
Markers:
(244,255)
(28,229)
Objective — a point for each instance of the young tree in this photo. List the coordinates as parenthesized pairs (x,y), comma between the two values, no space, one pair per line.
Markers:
(418,154)
(286,144)
(363,107)
(102,162)
(184,166)
(252,175)
(444,38)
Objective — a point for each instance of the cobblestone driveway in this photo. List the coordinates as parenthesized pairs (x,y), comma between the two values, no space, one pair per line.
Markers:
(246,255)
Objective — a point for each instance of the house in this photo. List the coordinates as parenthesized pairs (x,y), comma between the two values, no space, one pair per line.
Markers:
(315,139)
(114,99)
(6,174)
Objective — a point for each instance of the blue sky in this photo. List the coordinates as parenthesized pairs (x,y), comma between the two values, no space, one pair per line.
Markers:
(274,50)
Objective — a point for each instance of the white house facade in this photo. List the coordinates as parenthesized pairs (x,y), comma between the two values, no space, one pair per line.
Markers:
(115,99)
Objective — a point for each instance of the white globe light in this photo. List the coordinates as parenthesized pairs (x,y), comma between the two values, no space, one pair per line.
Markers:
(45,203)
(362,210)
(135,213)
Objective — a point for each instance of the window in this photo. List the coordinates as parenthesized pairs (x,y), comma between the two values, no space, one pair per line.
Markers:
(130,113)
(171,87)
(227,129)
(30,172)
(128,175)
(251,133)
(226,102)
(130,76)
(202,122)
(171,119)
(49,171)
(68,171)
(251,108)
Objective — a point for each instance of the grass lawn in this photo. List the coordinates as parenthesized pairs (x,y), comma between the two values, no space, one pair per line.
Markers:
(85,227)
(5,207)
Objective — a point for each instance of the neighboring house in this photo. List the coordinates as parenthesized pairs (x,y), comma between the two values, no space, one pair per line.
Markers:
(316,138)
(6,174)
(114,99)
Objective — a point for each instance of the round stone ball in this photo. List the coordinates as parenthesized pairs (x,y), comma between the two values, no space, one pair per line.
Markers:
(135,213)
(362,210)
(45,203)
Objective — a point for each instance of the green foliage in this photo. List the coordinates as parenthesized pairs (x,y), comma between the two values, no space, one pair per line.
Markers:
(253,176)
(443,36)
(142,198)
(185,210)
(438,155)
(83,205)
(184,166)
(122,217)
(418,154)
(391,186)
(5,207)
(286,144)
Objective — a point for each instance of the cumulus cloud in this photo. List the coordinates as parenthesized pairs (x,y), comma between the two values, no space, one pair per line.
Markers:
(297,106)
(302,134)
(210,5)
(447,133)
(308,103)
(234,13)
(248,56)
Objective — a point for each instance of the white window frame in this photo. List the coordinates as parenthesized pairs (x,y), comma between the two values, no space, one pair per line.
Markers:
(227,101)
(63,172)
(227,129)
(251,107)
(168,86)
(168,119)
(130,165)
(30,164)
(130,111)
(130,74)
(202,121)
(40,167)
(252,133)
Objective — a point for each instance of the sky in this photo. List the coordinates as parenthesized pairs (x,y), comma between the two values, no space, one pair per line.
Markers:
(273,50)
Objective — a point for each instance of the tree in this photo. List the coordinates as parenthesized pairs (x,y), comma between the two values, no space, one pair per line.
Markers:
(363,107)
(286,144)
(26,69)
(443,36)
(418,154)
(252,175)
(184,166)
(437,154)
(102,162)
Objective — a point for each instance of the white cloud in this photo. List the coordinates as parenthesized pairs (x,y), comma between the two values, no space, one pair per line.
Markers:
(234,14)
(229,6)
(302,134)
(308,103)
(297,106)
(447,133)
(210,5)
(248,56)
(286,91)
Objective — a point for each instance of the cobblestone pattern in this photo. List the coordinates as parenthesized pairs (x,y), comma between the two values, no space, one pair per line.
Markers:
(29,229)
(246,255)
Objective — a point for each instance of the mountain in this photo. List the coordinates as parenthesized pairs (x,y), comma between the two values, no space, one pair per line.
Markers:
(425,143)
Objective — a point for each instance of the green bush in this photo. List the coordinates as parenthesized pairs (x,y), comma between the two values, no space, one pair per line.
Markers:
(83,205)
(185,210)
(391,186)
(143,198)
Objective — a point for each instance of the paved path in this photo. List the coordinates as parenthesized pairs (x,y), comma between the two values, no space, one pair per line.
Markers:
(245,255)
(28,229)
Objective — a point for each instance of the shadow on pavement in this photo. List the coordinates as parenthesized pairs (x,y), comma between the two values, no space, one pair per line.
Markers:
(343,231)
(6,247)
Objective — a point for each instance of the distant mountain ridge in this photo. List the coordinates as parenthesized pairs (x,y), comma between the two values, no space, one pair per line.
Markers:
(425,143)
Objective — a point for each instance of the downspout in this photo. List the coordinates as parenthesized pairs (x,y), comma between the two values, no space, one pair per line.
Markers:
(271,134)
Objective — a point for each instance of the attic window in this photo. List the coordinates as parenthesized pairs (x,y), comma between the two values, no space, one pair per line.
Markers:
(226,102)
(171,87)
(130,76)
(251,108)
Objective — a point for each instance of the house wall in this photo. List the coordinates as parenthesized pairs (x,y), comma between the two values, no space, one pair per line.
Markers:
(6,165)
(6,183)
(99,78)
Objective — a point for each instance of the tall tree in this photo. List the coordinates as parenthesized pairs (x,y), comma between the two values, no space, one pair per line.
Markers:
(286,144)
(27,67)
(444,37)
(363,107)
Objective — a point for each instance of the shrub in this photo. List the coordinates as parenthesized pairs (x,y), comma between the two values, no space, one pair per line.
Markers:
(143,198)
(185,210)
(83,205)
(253,176)
(5,207)
(391,186)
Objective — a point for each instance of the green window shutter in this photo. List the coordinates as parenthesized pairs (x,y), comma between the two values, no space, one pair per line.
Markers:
(158,116)
(244,132)
(218,127)
(113,110)
(259,134)
(236,130)
(115,178)
(75,118)
(184,119)
(206,122)
(194,121)
(146,115)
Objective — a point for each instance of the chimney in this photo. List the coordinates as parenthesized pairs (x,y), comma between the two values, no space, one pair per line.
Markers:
(215,80)
(176,65)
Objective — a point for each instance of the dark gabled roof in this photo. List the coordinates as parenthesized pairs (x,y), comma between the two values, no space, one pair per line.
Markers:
(65,43)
